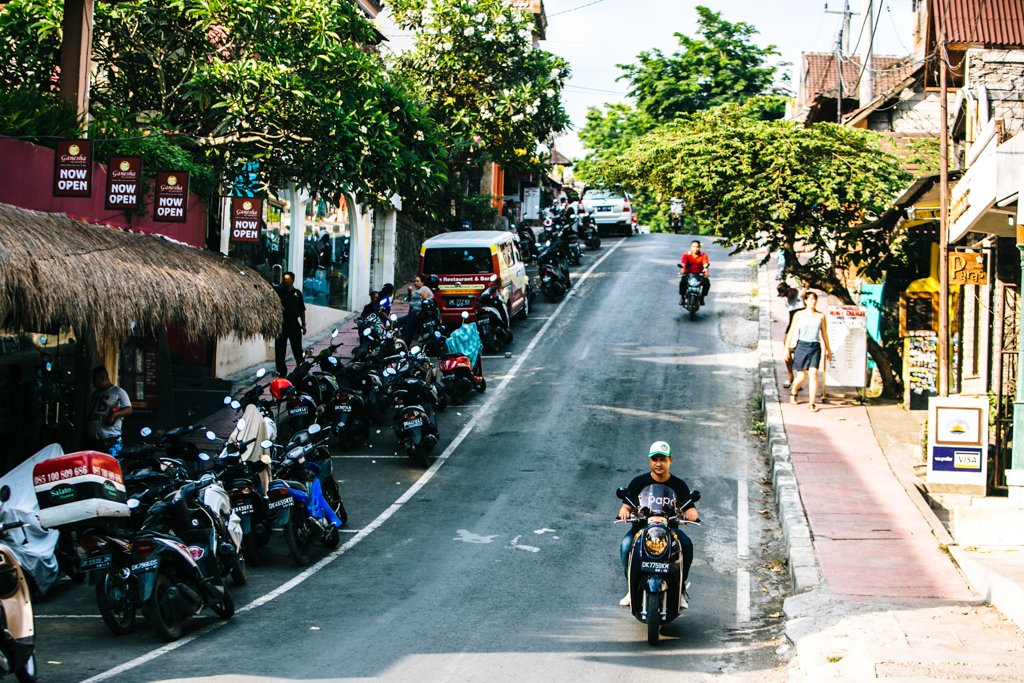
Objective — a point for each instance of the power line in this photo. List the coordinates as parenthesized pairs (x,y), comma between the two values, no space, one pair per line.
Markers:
(573,9)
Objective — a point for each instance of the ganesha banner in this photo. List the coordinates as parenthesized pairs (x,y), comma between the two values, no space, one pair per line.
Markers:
(124,177)
(245,219)
(170,201)
(72,169)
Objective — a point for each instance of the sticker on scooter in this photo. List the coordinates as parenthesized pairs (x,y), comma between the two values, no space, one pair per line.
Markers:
(197,552)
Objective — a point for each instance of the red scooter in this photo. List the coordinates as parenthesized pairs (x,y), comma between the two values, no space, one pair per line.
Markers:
(458,373)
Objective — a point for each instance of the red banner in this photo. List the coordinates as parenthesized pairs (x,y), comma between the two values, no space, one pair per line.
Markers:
(170,200)
(72,169)
(124,178)
(246,215)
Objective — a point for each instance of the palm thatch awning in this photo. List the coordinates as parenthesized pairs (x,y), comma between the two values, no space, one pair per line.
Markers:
(55,270)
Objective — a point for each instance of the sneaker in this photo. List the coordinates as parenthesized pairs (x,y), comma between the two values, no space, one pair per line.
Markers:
(683,604)
(625,601)
(682,301)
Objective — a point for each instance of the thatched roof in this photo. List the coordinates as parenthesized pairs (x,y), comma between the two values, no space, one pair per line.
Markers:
(56,270)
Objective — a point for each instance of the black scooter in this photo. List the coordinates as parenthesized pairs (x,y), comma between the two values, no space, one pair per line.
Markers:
(553,282)
(691,288)
(492,318)
(655,569)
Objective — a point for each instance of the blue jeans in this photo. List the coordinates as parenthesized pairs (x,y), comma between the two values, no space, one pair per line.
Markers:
(626,545)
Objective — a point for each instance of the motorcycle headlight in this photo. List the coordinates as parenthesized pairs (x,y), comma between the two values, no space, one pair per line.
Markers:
(656,541)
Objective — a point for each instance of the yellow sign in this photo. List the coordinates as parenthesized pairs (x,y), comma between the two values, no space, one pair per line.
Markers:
(967,269)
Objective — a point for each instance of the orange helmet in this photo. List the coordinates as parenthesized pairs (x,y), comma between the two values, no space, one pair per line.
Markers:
(281,388)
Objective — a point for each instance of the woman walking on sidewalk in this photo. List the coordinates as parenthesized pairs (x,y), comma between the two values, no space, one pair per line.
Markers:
(807,332)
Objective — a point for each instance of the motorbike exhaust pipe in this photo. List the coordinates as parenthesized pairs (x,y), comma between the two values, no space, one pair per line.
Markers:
(185,596)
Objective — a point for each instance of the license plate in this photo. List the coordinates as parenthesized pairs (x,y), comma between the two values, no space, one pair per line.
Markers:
(459,302)
(449,377)
(143,566)
(345,408)
(657,567)
(604,208)
(301,410)
(409,424)
(243,509)
(283,503)
(98,562)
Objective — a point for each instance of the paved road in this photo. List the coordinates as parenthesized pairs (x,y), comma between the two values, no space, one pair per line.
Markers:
(501,561)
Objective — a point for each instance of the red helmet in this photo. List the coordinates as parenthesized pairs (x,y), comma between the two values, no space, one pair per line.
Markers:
(281,388)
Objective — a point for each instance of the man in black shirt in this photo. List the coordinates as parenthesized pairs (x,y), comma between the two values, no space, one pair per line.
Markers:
(293,309)
(660,459)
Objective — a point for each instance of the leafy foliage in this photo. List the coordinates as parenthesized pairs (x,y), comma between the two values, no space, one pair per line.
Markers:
(36,115)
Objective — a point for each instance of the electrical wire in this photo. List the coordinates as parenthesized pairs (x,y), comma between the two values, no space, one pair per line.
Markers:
(573,9)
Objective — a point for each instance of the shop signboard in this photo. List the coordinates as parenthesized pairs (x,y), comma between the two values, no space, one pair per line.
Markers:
(124,178)
(72,169)
(170,201)
(848,339)
(246,215)
(967,268)
(958,441)
(531,203)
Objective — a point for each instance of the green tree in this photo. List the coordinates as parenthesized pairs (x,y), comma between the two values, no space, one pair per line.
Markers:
(493,95)
(776,185)
(719,67)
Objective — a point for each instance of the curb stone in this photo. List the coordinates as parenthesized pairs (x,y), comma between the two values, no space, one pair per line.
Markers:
(804,570)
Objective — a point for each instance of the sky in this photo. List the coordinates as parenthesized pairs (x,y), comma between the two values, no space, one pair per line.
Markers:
(594,36)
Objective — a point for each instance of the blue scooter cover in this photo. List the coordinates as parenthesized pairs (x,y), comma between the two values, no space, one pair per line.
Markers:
(466,340)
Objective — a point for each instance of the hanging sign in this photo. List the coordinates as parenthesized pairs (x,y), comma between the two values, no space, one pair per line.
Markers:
(967,268)
(170,200)
(245,219)
(72,169)
(958,441)
(531,203)
(848,339)
(124,178)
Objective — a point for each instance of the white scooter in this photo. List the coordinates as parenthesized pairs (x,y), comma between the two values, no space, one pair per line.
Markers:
(17,636)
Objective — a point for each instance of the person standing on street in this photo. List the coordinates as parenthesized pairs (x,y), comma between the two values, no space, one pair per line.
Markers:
(108,406)
(410,322)
(293,325)
(807,334)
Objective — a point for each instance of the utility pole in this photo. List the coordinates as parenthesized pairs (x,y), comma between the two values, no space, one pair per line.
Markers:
(841,50)
(943,359)
(75,55)
(866,91)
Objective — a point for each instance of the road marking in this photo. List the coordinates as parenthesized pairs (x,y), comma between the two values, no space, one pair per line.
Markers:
(375,457)
(743,552)
(68,616)
(384,516)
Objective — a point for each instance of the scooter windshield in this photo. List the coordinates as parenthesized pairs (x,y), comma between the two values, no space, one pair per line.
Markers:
(659,499)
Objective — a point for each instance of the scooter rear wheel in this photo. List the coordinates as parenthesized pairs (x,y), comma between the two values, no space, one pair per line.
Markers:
(161,610)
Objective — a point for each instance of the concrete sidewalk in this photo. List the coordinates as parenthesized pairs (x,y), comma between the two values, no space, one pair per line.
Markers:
(878,593)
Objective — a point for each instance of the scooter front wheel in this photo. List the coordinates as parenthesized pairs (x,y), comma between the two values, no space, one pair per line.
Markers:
(116,610)
(653,618)
(296,536)
(225,607)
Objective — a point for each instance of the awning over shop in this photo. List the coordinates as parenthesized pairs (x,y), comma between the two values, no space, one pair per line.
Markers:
(977,201)
(55,270)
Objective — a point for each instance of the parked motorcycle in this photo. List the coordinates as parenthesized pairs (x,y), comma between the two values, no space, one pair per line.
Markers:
(305,475)
(413,422)
(588,231)
(655,569)
(553,283)
(492,318)
(460,375)
(693,289)
(17,635)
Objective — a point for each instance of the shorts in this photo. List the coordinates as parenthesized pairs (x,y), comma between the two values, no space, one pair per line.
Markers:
(807,355)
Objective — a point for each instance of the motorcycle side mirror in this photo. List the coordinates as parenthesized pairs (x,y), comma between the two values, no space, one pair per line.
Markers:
(261,373)
(204,456)
(133,503)
(210,436)
(5,493)
(314,428)
(236,405)
(621,492)
(367,332)
(332,360)
(465,315)
(145,431)
(334,333)
(266,443)
(240,425)
(414,350)
(206,479)
(694,496)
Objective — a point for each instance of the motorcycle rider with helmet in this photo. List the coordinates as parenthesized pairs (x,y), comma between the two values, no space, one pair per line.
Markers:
(660,461)
(697,262)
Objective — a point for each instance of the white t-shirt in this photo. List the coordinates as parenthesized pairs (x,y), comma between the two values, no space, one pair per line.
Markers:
(101,404)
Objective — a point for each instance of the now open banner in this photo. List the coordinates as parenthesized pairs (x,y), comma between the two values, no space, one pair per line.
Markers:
(170,197)
(246,215)
(72,169)
(124,178)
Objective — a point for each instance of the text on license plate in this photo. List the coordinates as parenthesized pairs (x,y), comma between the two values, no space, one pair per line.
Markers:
(243,509)
(98,562)
(143,566)
(604,208)
(301,410)
(660,567)
(283,503)
(345,408)
(459,302)
(408,424)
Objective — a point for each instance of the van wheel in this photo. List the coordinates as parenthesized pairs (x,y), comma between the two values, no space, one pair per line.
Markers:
(524,312)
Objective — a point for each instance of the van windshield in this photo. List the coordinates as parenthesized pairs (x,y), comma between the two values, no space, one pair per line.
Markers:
(457,261)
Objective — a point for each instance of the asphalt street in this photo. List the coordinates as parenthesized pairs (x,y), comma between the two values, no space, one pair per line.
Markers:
(500,561)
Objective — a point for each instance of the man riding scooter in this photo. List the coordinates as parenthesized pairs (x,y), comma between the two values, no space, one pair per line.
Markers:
(696,262)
